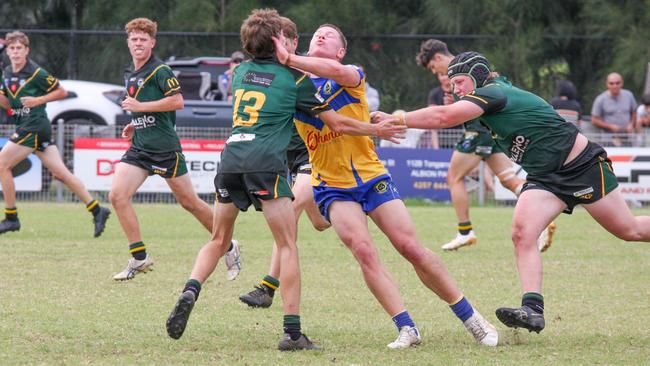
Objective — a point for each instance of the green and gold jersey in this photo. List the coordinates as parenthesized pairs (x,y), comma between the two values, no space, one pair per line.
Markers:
(154,131)
(266,96)
(30,81)
(524,126)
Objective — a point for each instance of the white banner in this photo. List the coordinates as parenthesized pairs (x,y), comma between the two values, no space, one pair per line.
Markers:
(95,160)
(27,173)
(631,166)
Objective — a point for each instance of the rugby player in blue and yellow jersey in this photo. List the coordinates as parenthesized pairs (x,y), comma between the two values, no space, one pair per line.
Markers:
(350,183)
(253,167)
(26,89)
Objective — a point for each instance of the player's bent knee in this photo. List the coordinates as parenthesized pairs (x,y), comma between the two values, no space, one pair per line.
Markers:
(366,255)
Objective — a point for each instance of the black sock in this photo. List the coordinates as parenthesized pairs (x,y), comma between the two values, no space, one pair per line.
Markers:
(93,207)
(11,213)
(464,227)
(230,247)
(534,301)
(138,250)
(292,326)
(194,287)
(271,284)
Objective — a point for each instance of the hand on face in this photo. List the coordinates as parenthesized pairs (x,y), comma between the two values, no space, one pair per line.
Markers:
(280,50)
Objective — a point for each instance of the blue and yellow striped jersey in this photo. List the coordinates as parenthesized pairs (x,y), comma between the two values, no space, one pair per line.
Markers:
(338,160)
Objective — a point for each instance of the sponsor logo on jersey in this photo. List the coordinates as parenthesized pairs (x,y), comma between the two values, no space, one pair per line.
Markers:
(319,98)
(131,90)
(584,192)
(140,82)
(518,148)
(315,138)
(144,121)
(327,88)
(263,79)
(24,111)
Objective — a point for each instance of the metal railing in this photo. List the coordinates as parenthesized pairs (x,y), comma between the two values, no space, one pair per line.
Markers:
(65,135)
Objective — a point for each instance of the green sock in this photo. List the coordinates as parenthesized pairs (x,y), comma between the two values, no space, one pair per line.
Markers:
(292,326)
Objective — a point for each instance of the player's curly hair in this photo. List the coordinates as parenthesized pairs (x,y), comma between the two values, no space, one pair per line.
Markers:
(289,28)
(142,25)
(257,30)
(17,36)
(428,49)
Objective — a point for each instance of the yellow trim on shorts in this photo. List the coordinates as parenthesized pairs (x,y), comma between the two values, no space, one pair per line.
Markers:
(602,180)
(24,138)
(269,285)
(138,249)
(275,189)
(176,166)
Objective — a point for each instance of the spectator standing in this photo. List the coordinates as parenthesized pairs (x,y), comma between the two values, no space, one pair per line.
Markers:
(565,102)
(643,111)
(614,112)
(225,79)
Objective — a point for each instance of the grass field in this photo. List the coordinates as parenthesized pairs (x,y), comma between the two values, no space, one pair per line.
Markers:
(59,305)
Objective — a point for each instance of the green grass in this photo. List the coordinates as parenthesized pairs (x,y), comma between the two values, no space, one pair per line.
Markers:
(59,305)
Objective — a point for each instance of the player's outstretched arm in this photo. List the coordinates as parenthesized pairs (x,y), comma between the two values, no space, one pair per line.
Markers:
(166,104)
(433,116)
(56,94)
(387,130)
(345,75)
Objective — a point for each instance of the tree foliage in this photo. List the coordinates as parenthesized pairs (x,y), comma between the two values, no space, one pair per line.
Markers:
(534,43)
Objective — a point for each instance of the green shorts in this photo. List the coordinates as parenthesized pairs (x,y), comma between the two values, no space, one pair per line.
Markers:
(586,179)
(476,142)
(167,165)
(244,189)
(37,140)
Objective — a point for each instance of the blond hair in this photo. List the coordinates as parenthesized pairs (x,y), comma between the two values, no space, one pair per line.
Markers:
(142,25)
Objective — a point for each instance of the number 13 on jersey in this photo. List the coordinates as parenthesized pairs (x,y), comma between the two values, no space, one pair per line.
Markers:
(253,102)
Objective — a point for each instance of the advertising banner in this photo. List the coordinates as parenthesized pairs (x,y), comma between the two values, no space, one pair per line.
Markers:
(418,173)
(631,166)
(95,160)
(27,174)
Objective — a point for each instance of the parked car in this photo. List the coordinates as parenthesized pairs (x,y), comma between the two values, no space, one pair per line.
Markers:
(199,78)
(87,103)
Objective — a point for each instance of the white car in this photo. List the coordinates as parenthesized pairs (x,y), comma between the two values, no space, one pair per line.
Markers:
(87,102)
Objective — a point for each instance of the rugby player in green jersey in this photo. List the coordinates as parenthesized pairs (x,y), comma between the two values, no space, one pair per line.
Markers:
(564,169)
(300,172)
(153,94)
(25,89)
(253,167)
(475,145)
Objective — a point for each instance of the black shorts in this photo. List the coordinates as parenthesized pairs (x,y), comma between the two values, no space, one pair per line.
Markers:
(244,189)
(37,140)
(586,179)
(167,165)
(298,163)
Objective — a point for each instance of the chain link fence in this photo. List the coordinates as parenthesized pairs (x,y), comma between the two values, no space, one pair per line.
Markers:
(388,59)
(65,136)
